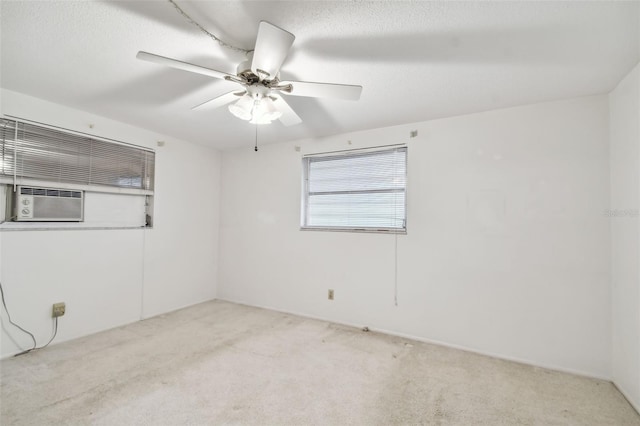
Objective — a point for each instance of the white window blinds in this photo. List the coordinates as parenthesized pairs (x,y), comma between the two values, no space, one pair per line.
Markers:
(356,191)
(30,151)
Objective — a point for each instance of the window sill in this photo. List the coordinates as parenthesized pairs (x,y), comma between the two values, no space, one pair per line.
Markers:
(63,226)
(357,230)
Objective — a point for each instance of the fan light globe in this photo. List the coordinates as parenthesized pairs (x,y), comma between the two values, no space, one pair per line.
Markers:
(264,112)
(271,111)
(242,108)
(260,120)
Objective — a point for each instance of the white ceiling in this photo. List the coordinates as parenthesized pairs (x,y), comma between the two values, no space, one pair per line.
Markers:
(415,60)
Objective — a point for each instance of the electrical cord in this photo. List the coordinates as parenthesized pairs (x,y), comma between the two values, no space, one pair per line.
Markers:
(13,323)
(35,344)
(55,333)
(213,36)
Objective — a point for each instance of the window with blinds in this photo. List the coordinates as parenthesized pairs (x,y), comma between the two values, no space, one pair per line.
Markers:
(356,191)
(29,151)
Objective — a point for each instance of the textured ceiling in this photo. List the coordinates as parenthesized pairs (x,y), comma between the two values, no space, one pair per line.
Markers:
(415,60)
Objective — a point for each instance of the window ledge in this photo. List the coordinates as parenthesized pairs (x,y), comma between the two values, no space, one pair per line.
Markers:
(58,226)
(357,230)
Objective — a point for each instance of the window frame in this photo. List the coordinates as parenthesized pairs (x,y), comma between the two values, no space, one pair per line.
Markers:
(12,172)
(17,146)
(306,159)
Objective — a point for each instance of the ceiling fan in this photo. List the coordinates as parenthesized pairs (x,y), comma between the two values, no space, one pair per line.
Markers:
(259,101)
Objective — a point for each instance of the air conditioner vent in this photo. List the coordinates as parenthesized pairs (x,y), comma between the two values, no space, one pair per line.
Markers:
(50,192)
(49,205)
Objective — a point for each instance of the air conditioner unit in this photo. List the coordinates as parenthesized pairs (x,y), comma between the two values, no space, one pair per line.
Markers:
(48,205)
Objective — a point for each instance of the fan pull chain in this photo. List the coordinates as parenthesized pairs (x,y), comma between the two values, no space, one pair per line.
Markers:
(256,147)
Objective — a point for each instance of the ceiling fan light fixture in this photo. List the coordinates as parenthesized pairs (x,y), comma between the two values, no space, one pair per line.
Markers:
(260,120)
(263,111)
(243,108)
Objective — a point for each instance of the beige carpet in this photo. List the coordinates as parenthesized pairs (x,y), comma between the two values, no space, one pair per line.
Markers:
(222,363)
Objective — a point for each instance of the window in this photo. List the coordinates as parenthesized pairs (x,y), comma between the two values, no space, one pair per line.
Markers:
(33,152)
(117,179)
(356,190)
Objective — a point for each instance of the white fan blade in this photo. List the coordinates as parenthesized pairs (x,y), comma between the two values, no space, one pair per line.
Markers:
(174,63)
(323,90)
(288,117)
(272,47)
(221,100)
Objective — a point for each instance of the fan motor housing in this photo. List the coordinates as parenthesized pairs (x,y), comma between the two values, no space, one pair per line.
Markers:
(244,72)
(244,67)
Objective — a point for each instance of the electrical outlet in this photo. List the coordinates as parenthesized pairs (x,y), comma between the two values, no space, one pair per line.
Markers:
(58,309)
(331,294)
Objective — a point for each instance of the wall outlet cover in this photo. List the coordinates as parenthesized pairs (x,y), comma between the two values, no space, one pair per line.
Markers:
(58,309)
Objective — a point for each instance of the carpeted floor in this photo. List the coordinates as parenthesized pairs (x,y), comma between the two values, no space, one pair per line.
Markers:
(222,363)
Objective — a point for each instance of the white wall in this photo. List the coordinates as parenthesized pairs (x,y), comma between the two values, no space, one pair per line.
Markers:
(507,251)
(624,104)
(113,277)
